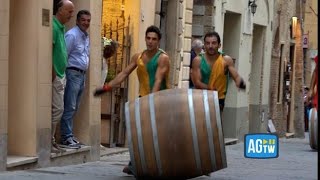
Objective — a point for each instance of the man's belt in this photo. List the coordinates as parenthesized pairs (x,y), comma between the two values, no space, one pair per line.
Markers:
(77,69)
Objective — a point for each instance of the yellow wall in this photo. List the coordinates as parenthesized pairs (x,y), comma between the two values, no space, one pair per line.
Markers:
(141,14)
(132,9)
(112,26)
(29,95)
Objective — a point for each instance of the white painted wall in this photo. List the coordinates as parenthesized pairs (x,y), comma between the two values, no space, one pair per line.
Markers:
(235,6)
(237,42)
(256,64)
(267,51)
(231,40)
(263,16)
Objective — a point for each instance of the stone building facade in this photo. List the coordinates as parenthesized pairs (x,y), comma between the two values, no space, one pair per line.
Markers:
(25,94)
(25,76)
(247,38)
(286,79)
(25,63)
(311,33)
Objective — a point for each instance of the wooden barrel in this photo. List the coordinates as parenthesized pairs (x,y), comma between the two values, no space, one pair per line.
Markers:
(313,128)
(175,133)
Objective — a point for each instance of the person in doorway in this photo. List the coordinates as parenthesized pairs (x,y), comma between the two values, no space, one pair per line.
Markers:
(153,67)
(196,49)
(211,70)
(109,49)
(62,11)
(313,91)
(307,107)
(77,41)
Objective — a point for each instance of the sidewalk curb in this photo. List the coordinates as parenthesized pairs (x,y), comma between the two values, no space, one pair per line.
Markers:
(228,141)
(115,152)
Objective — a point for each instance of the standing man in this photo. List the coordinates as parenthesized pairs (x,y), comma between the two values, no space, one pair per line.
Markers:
(77,41)
(153,67)
(211,70)
(62,11)
(307,107)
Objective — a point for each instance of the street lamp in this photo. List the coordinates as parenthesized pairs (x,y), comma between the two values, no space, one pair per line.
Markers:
(252,4)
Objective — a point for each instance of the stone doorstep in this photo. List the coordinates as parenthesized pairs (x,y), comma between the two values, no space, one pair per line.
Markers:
(13,161)
(230,141)
(71,151)
(289,135)
(105,151)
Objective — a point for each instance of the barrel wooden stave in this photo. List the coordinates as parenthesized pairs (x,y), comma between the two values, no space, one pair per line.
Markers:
(174,135)
(313,128)
(201,127)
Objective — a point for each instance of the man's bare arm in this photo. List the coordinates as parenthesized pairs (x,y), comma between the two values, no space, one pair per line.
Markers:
(162,70)
(196,74)
(126,72)
(234,74)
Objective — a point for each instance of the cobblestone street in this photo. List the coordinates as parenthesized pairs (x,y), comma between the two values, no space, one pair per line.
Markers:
(296,162)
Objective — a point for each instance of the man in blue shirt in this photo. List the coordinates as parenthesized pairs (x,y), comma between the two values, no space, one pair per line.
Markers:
(77,41)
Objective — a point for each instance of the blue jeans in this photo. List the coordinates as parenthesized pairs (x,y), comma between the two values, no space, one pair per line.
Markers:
(72,95)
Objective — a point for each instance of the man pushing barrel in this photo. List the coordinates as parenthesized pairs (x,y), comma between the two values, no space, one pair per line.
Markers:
(153,67)
(211,70)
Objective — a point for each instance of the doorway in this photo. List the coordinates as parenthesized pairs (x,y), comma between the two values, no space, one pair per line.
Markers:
(231,34)
(230,46)
(256,113)
(168,28)
(289,86)
(115,26)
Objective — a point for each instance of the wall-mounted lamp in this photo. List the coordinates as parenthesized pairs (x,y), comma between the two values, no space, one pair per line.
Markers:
(252,4)
(294,22)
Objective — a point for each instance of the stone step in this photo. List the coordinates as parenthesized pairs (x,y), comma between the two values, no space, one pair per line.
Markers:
(230,141)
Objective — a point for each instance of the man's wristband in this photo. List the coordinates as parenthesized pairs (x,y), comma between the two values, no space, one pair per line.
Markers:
(242,84)
(107,87)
